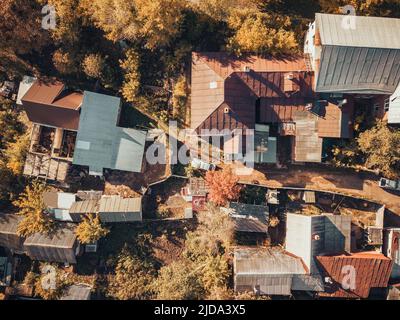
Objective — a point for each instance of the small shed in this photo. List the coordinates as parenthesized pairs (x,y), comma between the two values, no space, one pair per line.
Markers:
(59,246)
(249,218)
(8,232)
(118,209)
(80,208)
(77,292)
(59,203)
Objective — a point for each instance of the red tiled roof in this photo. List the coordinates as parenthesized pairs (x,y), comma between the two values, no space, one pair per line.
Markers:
(49,104)
(372,270)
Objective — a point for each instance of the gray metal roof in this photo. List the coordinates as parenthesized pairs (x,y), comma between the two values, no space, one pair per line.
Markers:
(266,261)
(77,292)
(9,223)
(8,232)
(370,32)
(100,143)
(83,207)
(272,271)
(245,209)
(117,209)
(63,237)
(347,69)
(117,204)
(249,224)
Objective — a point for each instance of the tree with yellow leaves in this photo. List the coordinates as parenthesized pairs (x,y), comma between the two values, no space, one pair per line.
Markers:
(130,65)
(260,33)
(32,208)
(90,229)
(156,22)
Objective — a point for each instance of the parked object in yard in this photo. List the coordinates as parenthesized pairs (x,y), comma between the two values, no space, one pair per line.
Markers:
(389,184)
(7,89)
(200,164)
(196,192)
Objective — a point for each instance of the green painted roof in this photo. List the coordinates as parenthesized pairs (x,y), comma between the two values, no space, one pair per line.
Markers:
(100,143)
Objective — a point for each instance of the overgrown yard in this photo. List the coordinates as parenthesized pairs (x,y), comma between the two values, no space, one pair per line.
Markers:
(160,242)
(165,201)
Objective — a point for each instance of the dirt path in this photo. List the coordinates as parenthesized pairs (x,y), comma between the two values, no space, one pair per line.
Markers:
(346,182)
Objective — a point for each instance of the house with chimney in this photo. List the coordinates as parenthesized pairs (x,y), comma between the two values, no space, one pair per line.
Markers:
(54,111)
(294,103)
(75,128)
(357,57)
(274,97)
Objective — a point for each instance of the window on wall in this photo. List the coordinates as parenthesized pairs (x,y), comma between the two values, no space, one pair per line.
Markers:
(387,103)
(376,107)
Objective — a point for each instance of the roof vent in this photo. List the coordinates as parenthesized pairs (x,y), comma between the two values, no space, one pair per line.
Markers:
(226,110)
(246,69)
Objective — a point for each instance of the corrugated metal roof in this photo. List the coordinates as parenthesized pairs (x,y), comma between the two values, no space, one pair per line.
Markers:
(100,143)
(83,207)
(249,224)
(272,271)
(265,261)
(63,237)
(116,204)
(246,209)
(9,223)
(219,82)
(51,104)
(371,32)
(77,292)
(308,144)
(358,70)
(372,270)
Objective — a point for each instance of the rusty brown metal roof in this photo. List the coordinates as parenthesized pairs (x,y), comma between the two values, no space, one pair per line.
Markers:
(51,104)
(372,270)
(225,96)
(220,83)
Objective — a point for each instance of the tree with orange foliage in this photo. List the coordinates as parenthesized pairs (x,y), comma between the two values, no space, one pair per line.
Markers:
(223,186)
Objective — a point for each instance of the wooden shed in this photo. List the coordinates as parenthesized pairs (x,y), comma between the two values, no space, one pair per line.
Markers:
(117,209)
(59,246)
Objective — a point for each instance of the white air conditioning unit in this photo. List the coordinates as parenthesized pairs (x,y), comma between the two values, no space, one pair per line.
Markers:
(309,106)
(246,69)
(91,247)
